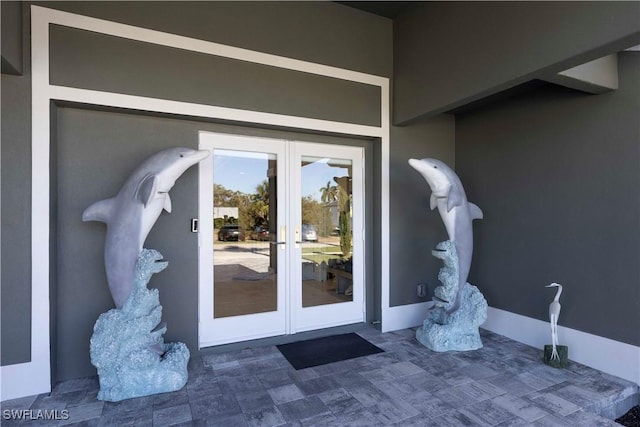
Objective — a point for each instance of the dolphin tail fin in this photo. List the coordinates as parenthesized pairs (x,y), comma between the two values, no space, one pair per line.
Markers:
(475,211)
(99,211)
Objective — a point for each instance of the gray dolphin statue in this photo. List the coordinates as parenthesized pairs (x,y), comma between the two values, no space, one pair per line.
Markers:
(447,194)
(131,214)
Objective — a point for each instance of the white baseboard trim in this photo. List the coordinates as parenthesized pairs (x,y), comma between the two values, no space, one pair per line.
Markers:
(404,316)
(604,354)
(591,350)
(23,379)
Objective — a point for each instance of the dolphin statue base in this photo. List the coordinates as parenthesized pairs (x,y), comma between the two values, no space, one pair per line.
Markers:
(127,346)
(444,330)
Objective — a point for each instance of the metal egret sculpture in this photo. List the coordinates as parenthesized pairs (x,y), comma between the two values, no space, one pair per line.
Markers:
(554,313)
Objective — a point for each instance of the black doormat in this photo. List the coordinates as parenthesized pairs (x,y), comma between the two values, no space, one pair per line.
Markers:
(320,351)
(631,418)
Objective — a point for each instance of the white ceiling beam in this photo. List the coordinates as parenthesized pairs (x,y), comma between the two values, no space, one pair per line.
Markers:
(598,76)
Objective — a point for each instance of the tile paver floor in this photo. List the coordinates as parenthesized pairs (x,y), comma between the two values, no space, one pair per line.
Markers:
(503,384)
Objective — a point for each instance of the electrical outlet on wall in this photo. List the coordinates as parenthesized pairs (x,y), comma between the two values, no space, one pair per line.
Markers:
(422,289)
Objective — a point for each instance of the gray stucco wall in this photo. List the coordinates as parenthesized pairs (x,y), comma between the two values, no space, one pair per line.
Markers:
(15,313)
(322,32)
(96,151)
(316,31)
(414,229)
(447,54)
(556,173)
(125,66)
(11,40)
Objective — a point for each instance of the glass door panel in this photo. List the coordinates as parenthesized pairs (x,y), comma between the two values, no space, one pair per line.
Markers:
(244,263)
(326,230)
(242,285)
(281,237)
(328,251)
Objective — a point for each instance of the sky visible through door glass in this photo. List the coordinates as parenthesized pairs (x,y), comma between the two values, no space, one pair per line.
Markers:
(240,171)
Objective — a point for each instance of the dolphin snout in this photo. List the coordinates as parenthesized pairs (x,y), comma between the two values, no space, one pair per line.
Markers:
(199,155)
(421,166)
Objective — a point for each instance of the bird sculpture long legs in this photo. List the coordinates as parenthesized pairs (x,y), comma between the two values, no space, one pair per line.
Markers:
(554,313)
(554,336)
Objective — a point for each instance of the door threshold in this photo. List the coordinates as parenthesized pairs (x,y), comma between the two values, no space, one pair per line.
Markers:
(283,339)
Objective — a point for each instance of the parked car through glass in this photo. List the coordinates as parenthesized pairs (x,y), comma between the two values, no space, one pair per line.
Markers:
(309,233)
(231,233)
(259,233)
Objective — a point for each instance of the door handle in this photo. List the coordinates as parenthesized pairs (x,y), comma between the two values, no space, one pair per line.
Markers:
(283,238)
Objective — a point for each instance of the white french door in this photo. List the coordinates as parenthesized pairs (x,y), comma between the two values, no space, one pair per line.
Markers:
(281,237)
(328,272)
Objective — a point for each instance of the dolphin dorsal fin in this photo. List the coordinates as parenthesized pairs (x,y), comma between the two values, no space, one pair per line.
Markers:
(167,203)
(453,199)
(99,211)
(475,211)
(146,189)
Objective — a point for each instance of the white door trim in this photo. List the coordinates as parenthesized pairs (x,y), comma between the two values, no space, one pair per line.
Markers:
(215,331)
(317,317)
(34,376)
(290,317)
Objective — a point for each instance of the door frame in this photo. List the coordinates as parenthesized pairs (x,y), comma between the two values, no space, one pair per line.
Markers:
(241,327)
(307,318)
(290,316)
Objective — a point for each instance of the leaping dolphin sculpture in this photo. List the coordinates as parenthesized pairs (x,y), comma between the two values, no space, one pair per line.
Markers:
(131,214)
(447,194)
